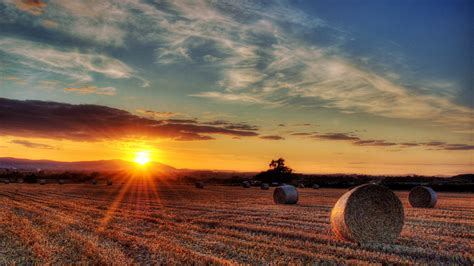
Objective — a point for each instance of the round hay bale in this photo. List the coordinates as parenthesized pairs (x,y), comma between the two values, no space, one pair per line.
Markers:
(368,214)
(6,181)
(246,184)
(285,195)
(422,197)
(315,186)
(109,182)
(199,184)
(301,185)
(264,186)
(42,182)
(94,182)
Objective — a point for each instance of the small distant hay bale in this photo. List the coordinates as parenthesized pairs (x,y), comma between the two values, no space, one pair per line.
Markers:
(264,186)
(274,184)
(368,214)
(246,184)
(61,181)
(94,181)
(199,185)
(6,181)
(109,182)
(285,195)
(422,197)
(315,186)
(20,180)
(301,185)
(42,182)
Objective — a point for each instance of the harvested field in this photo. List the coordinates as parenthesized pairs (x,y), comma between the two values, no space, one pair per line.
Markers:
(145,222)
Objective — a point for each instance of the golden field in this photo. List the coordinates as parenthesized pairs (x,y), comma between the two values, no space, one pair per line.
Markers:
(143,221)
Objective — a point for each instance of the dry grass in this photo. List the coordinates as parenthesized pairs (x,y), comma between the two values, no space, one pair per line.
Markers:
(141,223)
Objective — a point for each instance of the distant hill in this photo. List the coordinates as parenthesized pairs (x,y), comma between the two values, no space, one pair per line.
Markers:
(102,165)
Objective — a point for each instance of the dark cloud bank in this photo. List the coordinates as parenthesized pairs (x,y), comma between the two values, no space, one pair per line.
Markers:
(86,122)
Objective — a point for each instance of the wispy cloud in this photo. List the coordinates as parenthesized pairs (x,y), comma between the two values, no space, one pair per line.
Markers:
(233,125)
(92,90)
(156,114)
(33,145)
(72,64)
(243,97)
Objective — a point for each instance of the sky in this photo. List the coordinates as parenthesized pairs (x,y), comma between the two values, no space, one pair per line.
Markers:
(367,87)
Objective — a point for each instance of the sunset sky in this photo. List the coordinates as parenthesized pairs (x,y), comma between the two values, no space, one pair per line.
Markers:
(383,87)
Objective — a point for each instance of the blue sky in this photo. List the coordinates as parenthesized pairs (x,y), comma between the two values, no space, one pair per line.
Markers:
(434,38)
(392,71)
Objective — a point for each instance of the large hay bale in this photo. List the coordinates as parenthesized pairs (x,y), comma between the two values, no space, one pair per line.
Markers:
(422,197)
(264,186)
(199,184)
(109,182)
(285,195)
(301,185)
(368,214)
(315,186)
(246,184)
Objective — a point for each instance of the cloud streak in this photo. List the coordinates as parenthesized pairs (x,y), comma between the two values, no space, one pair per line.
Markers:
(272,137)
(357,141)
(92,90)
(33,145)
(87,122)
(156,114)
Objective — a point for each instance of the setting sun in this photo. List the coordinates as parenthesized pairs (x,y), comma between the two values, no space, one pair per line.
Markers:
(142,157)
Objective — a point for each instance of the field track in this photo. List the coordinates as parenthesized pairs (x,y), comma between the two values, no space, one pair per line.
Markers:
(149,222)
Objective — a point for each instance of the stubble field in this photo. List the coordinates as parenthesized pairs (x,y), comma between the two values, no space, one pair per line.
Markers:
(147,222)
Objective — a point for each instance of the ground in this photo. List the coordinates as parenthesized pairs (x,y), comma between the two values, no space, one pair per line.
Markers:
(151,222)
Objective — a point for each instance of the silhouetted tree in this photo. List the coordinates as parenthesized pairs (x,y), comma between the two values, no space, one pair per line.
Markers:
(278,172)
